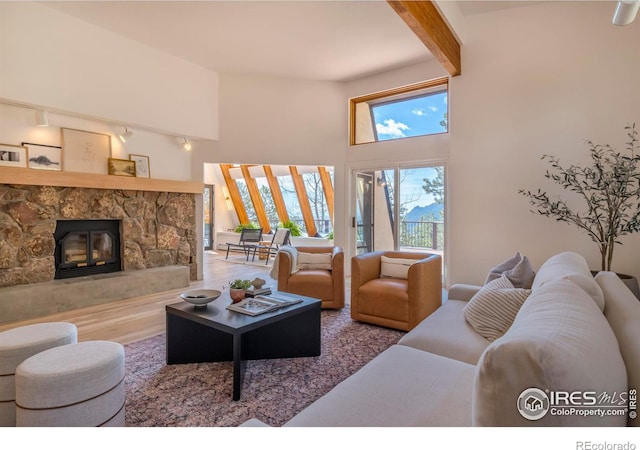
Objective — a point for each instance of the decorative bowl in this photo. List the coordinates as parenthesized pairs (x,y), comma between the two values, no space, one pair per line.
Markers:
(200,298)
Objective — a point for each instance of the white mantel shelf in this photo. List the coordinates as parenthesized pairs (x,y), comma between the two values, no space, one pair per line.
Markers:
(35,177)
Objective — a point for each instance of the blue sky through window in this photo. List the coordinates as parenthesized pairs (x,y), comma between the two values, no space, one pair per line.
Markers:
(412,117)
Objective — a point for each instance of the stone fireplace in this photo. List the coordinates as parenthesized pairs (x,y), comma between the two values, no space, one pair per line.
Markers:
(156,229)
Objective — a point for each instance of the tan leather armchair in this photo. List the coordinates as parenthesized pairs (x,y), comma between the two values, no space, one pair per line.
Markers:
(395,302)
(327,285)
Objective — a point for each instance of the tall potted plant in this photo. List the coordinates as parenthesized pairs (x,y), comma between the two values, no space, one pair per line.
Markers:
(609,189)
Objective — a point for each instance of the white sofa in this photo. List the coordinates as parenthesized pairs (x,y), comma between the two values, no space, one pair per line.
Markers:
(573,333)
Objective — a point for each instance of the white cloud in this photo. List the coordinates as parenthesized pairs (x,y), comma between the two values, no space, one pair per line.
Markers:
(422,112)
(392,128)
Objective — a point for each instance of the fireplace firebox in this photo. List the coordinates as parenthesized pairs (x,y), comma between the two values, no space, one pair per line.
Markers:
(87,247)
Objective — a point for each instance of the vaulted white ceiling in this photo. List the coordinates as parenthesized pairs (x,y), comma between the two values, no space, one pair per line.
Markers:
(323,40)
(336,40)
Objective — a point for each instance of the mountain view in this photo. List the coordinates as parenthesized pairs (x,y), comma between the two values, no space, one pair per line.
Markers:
(434,211)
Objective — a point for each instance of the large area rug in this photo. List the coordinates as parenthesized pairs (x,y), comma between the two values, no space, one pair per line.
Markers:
(199,395)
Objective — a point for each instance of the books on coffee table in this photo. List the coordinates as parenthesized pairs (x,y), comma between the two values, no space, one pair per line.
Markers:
(251,292)
(261,304)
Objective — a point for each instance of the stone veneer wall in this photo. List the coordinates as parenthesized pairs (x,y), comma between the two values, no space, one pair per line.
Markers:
(157,228)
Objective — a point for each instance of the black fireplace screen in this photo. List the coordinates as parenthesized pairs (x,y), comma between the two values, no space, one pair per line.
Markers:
(85,247)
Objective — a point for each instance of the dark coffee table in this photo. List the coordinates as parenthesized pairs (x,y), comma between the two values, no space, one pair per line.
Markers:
(216,334)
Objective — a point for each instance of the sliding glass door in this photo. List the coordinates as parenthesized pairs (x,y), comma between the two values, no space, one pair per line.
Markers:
(363,220)
(399,208)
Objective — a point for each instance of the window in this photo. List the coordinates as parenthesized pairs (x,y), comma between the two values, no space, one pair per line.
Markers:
(399,209)
(415,110)
(246,199)
(267,201)
(291,201)
(318,203)
(302,195)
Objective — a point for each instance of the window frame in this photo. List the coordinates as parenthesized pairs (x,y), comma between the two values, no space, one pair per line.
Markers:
(379,98)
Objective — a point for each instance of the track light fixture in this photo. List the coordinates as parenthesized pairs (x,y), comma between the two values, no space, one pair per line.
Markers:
(185,143)
(126,134)
(42,118)
(626,12)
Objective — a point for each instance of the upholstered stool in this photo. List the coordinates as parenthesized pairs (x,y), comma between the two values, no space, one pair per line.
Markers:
(20,343)
(77,385)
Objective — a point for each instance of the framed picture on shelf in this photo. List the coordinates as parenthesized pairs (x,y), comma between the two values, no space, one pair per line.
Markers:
(142,165)
(44,157)
(13,155)
(122,167)
(85,151)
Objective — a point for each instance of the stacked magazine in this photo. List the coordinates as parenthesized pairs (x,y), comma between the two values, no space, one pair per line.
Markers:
(252,292)
(253,306)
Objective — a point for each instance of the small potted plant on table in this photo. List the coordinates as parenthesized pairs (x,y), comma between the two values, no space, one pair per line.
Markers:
(237,289)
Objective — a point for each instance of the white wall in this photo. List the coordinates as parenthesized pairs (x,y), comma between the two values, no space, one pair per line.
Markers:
(278,121)
(166,160)
(535,80)
(56,61)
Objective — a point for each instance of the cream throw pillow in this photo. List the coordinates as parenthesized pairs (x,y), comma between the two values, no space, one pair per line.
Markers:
(492,310)
(395,267)
(314,261)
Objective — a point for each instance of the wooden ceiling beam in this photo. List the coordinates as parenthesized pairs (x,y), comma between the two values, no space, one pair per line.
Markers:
(234,193)
(425,20)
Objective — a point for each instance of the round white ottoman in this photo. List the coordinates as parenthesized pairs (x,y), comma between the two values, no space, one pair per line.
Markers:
(20,343)
(77,385)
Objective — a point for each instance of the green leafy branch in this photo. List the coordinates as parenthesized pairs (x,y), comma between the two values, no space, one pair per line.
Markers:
(609,188)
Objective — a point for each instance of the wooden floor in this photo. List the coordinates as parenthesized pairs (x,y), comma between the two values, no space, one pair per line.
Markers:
(136,318)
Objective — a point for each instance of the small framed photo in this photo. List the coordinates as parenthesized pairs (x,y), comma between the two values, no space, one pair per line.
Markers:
(44,157)
(122,167)
(13,155)
(142,165)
